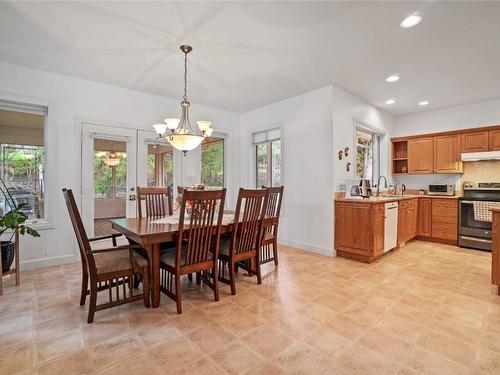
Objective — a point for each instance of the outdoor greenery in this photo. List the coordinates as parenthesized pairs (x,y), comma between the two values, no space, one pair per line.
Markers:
(103,176)
(22,165)
(212,164)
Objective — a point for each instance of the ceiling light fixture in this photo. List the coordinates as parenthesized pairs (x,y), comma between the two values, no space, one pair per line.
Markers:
(423,102)
(393,78)
(112,160)
(390,101)
(412,20)
(182,136)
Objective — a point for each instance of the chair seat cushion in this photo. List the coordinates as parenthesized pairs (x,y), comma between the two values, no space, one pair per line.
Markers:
(168,256)
(119,260)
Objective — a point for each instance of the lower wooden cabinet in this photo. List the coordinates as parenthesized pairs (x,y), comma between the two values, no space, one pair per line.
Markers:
(424,217)
(445,219)
(359,230)
(407,220)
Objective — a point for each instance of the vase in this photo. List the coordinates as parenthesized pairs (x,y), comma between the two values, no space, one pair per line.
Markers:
(7,248)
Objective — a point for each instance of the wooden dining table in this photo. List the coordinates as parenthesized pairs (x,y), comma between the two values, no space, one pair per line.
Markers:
(150,234)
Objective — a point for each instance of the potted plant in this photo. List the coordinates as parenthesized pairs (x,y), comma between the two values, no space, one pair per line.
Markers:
(12,218)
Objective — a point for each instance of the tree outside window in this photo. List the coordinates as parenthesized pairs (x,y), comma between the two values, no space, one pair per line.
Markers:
(212,162)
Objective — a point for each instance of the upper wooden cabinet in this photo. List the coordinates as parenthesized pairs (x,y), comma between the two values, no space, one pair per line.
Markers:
(494,140)
(475,142)
(447,154)
(421,155)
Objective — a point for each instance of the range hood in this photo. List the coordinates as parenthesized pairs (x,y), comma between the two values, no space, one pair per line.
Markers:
(485,155)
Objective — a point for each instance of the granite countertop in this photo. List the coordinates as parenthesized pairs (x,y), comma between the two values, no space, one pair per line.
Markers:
(395,198)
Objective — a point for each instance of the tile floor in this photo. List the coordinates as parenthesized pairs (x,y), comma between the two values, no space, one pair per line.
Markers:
(427,309)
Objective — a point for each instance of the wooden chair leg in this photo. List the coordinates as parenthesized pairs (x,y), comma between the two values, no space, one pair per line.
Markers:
(137,281)
(145,285)
(216,281)
(178,293)
(93,302)
(190,277)
(198,278)
(232,279)
(85,285)
(275,251)
(257,271)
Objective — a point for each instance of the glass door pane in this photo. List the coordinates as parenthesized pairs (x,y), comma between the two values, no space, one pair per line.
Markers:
(110,183)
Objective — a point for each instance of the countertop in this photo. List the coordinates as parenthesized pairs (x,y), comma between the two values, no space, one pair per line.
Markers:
(385,199)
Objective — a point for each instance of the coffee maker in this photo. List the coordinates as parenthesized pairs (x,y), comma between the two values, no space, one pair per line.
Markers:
(365,188)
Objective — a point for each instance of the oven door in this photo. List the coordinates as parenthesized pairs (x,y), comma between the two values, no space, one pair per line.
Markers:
(473,233)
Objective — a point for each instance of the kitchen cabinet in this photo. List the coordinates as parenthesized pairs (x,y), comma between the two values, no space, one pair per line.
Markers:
(359,230)
(447,154)
(421,155)
(494,140)
(407,220)
(424,217)
(445,219)
(475,141)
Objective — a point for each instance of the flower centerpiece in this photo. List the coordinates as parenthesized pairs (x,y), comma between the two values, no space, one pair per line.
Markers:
(189,203)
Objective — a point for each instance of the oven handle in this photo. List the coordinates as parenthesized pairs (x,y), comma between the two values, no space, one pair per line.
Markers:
(475,239)
(468,202)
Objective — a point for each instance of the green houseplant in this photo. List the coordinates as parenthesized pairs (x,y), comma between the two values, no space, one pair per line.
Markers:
(12,220)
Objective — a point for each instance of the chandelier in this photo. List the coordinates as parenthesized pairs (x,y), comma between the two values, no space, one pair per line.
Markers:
(182,136)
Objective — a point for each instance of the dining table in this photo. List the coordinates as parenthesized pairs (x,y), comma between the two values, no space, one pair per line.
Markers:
(151,232)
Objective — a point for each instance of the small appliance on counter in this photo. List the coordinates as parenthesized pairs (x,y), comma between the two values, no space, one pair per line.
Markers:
(365,188)
(442,189)
(398,189)
(358,189)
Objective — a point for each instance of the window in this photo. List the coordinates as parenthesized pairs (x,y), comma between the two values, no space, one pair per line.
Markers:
(160,171)
(212,162)
(268,158)
(367,154)
(22,158)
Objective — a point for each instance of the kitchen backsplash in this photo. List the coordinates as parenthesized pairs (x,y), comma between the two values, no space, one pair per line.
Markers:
(482,171)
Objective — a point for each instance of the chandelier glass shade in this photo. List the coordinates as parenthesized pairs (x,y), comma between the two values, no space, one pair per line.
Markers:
(112,160)
(182,136)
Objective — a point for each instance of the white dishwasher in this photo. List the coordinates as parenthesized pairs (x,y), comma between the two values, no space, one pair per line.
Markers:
(391,226)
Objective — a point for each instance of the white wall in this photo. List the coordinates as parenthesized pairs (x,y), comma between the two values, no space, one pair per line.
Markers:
(346,108)
(70,100)
(306,125)
(453,118)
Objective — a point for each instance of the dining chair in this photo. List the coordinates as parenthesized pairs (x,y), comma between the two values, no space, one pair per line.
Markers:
(157,201)
(197,243)
(109,269)
(270,238)
(241,248)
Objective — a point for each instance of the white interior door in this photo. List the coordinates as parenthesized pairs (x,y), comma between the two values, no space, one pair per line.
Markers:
(109,176)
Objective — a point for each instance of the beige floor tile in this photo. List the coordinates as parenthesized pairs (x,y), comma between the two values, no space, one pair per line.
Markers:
(211,337)
(359,360)
(14,360)
(426,362)
(236,358)
(115,350)
(487,363)
(448,347)
(79,363)
(327,341)
(266,368)
(267,341)
(174,355)
(403,328)
(303,359)
(385,344)
(52,348)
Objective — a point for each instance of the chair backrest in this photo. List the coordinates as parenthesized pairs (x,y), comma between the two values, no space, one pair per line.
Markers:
(250,212)
(200,223)
(81,235)
(157,202)
(274,205)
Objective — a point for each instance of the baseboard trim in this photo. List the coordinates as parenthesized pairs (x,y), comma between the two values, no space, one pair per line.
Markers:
(47,262)
(308,247)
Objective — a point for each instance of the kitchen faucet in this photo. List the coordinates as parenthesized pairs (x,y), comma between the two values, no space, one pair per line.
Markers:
(378,184)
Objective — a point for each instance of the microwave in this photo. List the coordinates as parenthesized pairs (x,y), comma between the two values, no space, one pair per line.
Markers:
(442,189)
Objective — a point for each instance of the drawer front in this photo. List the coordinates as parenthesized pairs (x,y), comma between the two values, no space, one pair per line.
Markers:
(444,211)
(444,230)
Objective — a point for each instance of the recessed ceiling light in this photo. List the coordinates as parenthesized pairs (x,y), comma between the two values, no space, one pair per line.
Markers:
(393,78)
(412,20)
(423,102)
(390,101)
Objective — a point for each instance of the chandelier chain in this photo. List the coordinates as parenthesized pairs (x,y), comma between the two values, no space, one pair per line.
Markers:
(185,76)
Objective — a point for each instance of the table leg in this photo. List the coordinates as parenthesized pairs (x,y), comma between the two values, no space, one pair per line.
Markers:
(154,262)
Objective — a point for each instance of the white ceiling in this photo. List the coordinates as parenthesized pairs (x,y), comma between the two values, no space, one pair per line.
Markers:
(250,54)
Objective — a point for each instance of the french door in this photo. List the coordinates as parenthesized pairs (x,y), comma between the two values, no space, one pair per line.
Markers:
(115,161)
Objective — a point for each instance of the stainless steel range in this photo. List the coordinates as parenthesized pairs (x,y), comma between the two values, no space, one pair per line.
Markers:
(474,230)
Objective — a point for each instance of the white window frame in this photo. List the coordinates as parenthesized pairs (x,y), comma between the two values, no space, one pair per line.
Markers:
(21,103)
(253,154)
(376,148)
